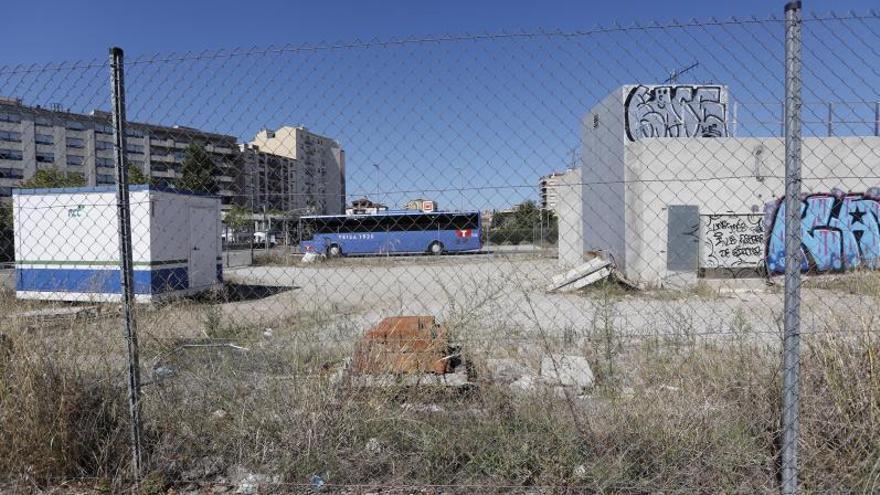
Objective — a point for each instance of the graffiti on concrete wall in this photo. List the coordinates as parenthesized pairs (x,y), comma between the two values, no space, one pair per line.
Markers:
(840,232)
(675,111)
(732,240)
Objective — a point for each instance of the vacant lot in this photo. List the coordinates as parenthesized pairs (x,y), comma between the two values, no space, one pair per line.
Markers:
(504,295)
(249,385)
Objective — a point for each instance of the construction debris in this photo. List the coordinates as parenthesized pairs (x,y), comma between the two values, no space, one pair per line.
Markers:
(404,344)
(408,351)
(589,273)
(56,313)
(311,257)
(567,371)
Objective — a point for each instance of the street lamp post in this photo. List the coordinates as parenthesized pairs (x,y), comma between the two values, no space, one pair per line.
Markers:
(376,201)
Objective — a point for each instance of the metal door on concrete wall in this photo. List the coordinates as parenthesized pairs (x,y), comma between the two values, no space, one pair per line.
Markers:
(203,246)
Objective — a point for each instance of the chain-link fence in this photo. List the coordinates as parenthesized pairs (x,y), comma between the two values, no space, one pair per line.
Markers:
(537,261)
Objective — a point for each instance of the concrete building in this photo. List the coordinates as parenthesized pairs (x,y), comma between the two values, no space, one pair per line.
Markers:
(316,176)
(570,218)
(32,138)
(670,196)
(270,181)
(547,187)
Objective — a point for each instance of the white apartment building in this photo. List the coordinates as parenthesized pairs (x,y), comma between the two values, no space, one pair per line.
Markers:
(317,180)
(548,189)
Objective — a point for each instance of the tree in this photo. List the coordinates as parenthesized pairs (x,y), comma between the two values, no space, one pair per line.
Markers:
(136,176)
(52,177)
(238,217)
(198,173)
(524,223)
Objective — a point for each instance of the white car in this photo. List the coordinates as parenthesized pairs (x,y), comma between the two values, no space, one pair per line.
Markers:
(260,238)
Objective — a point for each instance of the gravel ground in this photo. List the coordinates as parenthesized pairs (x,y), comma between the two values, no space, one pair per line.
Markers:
(504,297)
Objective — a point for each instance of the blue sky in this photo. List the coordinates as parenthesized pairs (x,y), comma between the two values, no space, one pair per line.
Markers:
(53,30)
(472,123)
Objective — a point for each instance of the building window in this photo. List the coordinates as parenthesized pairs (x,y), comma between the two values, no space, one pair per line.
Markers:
(5,191)
(101,161)
(10,136)
(44,139)
(105,179)
(134,148)
(11,173)
(6,154)
(74,125)
(10,117)
(103,129)
(44,122)
(75,160)
(75,143)
(103,145)
(44,157)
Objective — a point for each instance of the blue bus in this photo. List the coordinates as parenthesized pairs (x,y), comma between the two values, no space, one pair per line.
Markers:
(391,232)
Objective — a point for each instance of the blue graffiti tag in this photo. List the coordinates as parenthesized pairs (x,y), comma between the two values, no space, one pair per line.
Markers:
(840,232)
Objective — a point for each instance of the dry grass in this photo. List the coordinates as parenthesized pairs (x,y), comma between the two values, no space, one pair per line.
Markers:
(859,282)
(668,413)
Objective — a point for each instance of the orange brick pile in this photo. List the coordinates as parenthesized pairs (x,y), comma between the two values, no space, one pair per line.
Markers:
(401,345)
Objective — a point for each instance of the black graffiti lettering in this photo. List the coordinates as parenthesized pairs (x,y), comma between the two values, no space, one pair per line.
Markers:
(675,111)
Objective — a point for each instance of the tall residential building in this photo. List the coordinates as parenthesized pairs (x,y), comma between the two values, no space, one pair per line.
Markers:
(269,180)
(34,138)
(310,170)
(548,186)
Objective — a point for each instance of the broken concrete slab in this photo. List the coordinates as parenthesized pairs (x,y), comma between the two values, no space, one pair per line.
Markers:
(507,370)
(589,273)
(592,266)
(566,370)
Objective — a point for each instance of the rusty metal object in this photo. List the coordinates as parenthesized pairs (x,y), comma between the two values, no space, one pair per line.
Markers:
(402,345)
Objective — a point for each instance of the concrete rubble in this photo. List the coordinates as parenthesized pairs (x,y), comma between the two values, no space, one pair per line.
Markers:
(506,370)
(311,257)
(594,270)
(566,371)
(247,482)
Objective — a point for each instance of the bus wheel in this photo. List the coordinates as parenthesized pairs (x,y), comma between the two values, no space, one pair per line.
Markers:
(334,251)
(436,247)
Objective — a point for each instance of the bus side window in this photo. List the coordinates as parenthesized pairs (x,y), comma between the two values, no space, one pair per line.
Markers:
(425,223)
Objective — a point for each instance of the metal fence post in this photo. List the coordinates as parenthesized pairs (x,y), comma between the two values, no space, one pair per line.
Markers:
(830,119)
(877,118)
(125,254)
(791,344)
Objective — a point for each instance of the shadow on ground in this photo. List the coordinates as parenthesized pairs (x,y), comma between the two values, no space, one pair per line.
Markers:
(233,292)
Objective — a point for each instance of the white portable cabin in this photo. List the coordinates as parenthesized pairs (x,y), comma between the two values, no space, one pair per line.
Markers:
(67,243)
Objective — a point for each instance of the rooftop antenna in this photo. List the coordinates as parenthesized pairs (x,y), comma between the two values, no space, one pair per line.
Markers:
(673,76)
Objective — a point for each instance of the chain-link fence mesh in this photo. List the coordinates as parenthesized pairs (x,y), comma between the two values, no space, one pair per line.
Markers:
(532,260)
